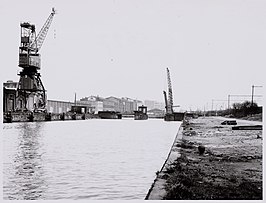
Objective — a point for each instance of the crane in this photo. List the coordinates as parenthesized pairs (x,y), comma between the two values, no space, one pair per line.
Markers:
(31,92)
(170,114)
(169,102)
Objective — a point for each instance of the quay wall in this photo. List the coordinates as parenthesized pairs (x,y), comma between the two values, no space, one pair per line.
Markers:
(156,191)
(24,117)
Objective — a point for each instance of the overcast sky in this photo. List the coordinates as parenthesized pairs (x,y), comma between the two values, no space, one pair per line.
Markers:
(123,47)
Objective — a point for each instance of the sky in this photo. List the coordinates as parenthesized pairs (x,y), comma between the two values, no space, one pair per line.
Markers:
(213,48)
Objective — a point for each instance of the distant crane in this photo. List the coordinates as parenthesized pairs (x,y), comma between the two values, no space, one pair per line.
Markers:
(170,115)
(169,101)
(31,93)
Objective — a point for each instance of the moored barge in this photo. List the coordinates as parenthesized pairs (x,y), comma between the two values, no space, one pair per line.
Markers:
(141,114)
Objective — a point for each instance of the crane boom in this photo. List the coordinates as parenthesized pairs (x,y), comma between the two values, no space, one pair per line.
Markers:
(170,93)
(170,115)
(37,44)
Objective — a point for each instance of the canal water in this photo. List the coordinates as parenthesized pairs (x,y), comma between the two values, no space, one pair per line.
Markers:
(84,160)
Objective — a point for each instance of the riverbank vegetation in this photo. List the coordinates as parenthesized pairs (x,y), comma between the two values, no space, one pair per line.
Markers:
(245,110)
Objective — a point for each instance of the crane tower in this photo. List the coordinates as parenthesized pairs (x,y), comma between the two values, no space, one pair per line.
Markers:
(169,101)
(31,94)
(170,115)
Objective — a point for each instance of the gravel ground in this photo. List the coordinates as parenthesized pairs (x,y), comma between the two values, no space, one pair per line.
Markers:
(230,168)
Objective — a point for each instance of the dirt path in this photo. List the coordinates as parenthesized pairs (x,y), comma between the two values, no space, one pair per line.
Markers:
(229,169)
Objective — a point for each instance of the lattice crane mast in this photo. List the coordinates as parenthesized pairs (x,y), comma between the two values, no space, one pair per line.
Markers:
(37,44)
(31,92)
(169,101)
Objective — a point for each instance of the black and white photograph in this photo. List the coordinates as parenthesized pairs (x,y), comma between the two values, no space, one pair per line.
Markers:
(132,100)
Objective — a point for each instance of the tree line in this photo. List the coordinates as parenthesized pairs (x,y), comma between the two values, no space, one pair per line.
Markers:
(238,110)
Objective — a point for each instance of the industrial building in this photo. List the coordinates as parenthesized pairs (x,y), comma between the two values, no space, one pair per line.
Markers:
(55,106)
(154,104)
(124,105)
(9,95)
(92,104)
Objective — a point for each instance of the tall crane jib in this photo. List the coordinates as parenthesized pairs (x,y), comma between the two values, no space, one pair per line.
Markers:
(170,93)
(170,115)
(31,94)
(169,100)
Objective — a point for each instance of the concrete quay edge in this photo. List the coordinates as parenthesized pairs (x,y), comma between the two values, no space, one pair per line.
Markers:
(157,191)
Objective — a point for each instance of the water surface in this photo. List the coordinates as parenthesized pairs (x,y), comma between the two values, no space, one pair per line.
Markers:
(90,159)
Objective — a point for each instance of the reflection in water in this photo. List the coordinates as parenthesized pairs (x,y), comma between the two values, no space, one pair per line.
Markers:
(28,182)
(90,159)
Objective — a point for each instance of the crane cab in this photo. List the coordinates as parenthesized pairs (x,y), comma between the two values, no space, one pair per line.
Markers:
(30,61)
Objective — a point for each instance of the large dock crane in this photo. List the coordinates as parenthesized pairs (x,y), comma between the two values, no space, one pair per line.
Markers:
(31,94)
(170,115)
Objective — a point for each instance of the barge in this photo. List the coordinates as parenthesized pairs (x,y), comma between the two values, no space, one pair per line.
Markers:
(109,115)
(141,113)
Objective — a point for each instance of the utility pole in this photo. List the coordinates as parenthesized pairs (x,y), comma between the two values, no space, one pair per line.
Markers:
(229,101)
(75,101)
(252,94)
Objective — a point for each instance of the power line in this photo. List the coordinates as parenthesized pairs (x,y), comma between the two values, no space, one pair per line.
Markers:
(232,95)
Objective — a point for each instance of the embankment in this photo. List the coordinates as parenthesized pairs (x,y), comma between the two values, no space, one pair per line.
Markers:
(33,117)
(230,168)
(157,191)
